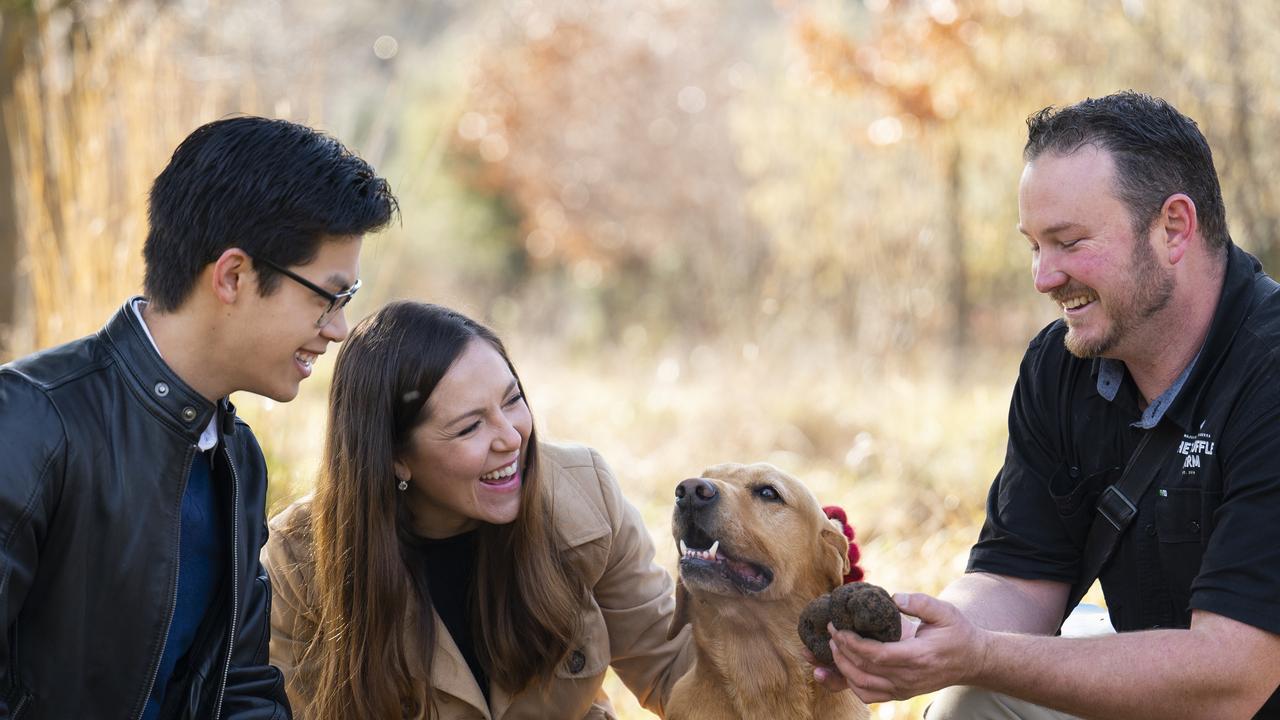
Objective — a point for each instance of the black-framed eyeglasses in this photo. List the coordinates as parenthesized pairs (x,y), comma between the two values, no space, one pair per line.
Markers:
(337,301)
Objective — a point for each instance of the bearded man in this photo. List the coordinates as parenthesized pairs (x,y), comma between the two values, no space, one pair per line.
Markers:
(1144,448)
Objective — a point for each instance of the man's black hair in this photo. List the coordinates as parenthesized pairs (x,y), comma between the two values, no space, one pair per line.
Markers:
(270,187)
(1158,152)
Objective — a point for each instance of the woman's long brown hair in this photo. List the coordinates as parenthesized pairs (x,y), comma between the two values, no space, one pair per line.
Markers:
(527,601)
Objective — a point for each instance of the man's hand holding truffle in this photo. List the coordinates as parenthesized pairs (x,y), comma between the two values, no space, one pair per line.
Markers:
(940,652)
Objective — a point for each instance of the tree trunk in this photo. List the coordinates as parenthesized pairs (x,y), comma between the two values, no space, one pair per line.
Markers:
(1249,183)
(957,266)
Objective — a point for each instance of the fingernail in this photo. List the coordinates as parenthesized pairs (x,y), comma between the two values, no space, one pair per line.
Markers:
(900,599)
(820,674)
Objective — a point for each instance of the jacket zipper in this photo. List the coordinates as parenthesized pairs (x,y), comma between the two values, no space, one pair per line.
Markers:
(22,705)
(235,577)
(173,601)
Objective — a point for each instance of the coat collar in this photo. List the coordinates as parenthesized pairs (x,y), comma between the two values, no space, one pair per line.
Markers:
(578,522)
(449,671)
(159,387)
(1235,303)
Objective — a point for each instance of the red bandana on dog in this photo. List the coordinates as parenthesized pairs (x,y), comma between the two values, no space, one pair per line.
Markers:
(835,512)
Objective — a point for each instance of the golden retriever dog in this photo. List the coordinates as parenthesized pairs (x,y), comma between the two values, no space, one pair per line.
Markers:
(755,548)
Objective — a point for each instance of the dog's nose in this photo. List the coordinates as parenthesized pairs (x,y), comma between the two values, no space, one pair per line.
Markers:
(696,492)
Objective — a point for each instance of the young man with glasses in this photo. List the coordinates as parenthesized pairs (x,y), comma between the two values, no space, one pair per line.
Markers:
(132,497)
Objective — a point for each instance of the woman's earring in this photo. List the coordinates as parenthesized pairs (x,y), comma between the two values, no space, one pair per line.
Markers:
(403,485)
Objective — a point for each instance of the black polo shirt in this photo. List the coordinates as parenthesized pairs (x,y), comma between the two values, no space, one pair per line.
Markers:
(1207,532)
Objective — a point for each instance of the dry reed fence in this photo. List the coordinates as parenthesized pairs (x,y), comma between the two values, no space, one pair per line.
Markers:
(91,124)
(90,127)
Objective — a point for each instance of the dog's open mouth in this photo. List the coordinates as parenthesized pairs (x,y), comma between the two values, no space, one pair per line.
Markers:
(711,565)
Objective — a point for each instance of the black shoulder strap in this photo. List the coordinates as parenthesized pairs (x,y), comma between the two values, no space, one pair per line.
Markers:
(1118,505)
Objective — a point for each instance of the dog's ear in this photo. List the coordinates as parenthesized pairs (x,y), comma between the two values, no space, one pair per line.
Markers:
(681,617)
(835,552)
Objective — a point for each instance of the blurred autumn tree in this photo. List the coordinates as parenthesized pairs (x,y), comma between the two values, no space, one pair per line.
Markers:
(795,173)
(690,170)
(950,77)
(604,126)
(922,62)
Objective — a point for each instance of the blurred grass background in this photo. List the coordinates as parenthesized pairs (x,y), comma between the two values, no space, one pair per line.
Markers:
(709,230)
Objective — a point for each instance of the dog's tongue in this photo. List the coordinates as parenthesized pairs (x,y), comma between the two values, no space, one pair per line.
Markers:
(743,570)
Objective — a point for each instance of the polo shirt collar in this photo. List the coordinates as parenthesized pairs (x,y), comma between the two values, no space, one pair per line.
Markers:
(1178,401)
(1111,373)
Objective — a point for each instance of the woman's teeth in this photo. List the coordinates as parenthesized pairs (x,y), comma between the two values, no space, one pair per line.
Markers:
(305,359)
(507,471)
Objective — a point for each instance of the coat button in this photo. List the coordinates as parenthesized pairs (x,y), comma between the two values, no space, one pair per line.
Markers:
(577,661)
(1195,526)
(188,413)
(1150,529)
(162,389)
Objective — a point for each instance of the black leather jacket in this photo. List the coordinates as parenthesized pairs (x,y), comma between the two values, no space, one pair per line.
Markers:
(96,441)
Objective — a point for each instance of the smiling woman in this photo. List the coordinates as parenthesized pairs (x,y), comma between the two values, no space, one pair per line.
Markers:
(451,566)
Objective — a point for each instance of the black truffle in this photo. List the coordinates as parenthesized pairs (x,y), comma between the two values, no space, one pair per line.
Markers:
(867,610)
(813,628)
(861,607)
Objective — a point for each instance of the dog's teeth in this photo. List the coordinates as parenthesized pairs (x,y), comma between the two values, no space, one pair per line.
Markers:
(712,552)
(684,549)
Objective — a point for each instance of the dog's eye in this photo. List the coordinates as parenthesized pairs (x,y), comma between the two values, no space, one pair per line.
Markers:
(769,493)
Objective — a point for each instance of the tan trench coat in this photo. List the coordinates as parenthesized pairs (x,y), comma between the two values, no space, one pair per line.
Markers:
(624,625)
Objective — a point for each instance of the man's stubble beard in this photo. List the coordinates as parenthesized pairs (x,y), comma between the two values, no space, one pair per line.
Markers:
(1150,294)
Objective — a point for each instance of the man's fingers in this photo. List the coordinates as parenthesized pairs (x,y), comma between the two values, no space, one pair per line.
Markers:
(830,679)
(864,651)
(862,682)
(870,688)
(930,610)
(871,696)
(849,661)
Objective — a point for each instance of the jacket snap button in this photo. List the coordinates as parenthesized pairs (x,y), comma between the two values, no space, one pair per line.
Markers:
(1150,529)
(188,413)
(1195,526)
(577,661)
(162,389)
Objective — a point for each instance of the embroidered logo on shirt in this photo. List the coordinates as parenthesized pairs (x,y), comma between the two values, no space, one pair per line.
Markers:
(1195,447)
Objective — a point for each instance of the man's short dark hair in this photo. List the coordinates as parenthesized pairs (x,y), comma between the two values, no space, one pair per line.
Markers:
(1158,152)
(270,187)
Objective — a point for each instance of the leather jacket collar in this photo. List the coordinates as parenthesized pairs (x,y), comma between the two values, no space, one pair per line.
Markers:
(160,389)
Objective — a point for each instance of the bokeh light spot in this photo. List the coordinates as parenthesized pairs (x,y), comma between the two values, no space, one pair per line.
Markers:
(493,147)
(385,47)
(691,99)
(885,131)
(472,126)
(540,244)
